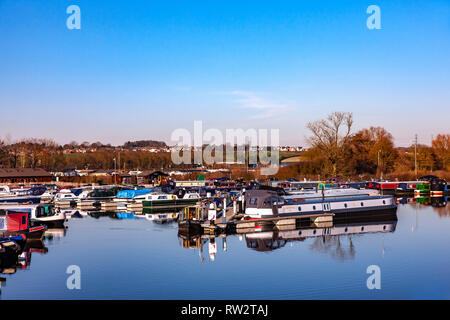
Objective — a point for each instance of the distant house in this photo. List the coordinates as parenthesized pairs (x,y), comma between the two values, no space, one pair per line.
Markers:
(70,172)
(24,175)
(153,177)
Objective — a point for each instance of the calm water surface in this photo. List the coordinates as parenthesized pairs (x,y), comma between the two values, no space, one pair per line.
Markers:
(140,259)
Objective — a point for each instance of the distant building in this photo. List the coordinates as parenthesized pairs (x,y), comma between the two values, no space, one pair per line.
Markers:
(153,177)
(24,175)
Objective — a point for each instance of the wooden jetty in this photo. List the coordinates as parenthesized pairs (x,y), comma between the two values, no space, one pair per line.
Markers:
(65,203)
(134,206)
(87,204)
(108,206)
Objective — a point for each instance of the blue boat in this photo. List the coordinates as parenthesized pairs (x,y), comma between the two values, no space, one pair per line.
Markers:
(125,215)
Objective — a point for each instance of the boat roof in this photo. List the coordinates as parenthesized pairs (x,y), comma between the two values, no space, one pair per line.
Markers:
(333,199)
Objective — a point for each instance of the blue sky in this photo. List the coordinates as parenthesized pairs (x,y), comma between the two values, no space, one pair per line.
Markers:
(141,69)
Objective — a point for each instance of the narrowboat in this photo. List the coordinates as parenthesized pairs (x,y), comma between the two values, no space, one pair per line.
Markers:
(326,193)
(268,204)
(383,185)
(422,188)
(354,185)
(156,200)
(438,187)
(305,185)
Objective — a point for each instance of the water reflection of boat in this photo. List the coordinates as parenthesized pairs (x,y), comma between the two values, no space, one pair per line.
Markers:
(125,215)
(196,242)
(35,245)
(190,222)
(271,240)
(99,214)
(326,238)
(52,233)
(162,217)
(437,202)
(19,258)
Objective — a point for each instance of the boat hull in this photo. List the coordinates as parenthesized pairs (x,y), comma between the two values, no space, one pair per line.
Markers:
(25,199)
(343,213)
(190,227)
(36,232)
(180,203)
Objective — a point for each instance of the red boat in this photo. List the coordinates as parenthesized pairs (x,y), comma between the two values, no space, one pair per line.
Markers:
(18,223)
(383,185)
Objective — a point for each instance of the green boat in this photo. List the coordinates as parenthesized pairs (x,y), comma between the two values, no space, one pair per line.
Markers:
(161,200)
(423,188)
(423,200)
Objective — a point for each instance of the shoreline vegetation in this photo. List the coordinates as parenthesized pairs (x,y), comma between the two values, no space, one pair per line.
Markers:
(335,151)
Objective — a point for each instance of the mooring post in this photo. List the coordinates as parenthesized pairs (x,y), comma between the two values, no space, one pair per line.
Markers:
(224,216)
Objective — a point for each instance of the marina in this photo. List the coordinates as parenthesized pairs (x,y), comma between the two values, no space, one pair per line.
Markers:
(323,261)
(217,222)
(246,152)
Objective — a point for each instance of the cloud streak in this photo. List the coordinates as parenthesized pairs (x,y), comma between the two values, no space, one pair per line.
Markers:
(265,109)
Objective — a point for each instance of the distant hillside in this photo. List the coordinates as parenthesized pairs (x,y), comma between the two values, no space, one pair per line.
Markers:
(144,143)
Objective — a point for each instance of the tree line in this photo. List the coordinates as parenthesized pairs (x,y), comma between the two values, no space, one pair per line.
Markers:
(335,150)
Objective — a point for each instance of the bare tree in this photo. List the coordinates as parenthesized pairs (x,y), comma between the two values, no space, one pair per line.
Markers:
(330,136)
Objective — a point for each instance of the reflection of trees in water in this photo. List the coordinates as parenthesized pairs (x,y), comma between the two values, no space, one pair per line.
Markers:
(335,246)
(443,212)
(440,206)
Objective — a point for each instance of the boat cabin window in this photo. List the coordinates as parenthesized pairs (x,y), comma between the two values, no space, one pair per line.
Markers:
(252,244)
(253,201)
(267,203)
(44,212)
(162,197)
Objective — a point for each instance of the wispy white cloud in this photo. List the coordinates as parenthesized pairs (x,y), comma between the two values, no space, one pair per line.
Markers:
(265,108)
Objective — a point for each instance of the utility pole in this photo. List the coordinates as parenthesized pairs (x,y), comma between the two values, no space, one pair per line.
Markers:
(415,155)
(119,160)
(378,163)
